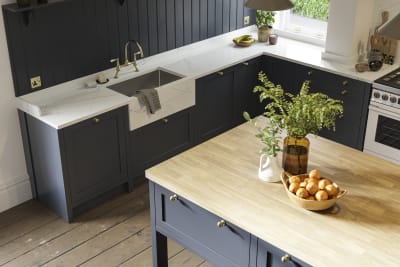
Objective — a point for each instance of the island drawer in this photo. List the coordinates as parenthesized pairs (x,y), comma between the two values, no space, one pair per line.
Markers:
(271,256)
(212,232)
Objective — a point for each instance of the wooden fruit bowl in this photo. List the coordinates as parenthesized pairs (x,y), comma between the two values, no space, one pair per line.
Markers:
(310,204)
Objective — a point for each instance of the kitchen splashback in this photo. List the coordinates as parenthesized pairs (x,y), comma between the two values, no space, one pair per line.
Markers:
(64,40)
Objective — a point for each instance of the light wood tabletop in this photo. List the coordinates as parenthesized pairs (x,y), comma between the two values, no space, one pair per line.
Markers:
(220,175)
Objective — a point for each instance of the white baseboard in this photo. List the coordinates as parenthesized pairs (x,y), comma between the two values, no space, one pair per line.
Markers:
(15,194)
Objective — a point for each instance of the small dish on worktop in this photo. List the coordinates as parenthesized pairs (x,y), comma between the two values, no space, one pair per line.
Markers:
(314,205)
(244,40)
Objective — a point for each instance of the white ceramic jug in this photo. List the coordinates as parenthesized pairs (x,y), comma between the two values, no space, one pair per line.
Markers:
(269,170)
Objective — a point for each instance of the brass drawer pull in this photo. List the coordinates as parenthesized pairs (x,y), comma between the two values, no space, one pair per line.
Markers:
(221,223)
(173,198)
(246,63)
(96,120)
(165,121)
(285,258)
(344,83)
(310,73)
(344,92)
(220,73)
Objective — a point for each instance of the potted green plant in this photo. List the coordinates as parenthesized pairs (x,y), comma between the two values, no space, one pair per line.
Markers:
(297,116)
(264,22)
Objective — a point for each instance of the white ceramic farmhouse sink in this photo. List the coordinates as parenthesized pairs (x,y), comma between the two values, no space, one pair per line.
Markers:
(175,91)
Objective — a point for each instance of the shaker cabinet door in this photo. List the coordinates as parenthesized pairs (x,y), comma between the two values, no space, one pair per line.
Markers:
(214,104)
(95,155)
(246,78)
(355,95)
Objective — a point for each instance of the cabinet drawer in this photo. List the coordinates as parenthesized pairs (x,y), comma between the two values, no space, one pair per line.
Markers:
(270,256)
(225,239)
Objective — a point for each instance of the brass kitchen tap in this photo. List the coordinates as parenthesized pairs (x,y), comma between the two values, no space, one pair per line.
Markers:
(126,60)
(140,52)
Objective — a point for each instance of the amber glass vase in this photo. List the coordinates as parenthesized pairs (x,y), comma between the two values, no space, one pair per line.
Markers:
(295,155)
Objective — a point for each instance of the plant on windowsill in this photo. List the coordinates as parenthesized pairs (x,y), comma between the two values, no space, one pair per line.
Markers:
(298,115)
(264,21)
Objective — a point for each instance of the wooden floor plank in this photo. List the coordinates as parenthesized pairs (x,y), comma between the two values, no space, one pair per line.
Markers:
(144,258)
(103,241)
(185,258)
(123,251)
(18,213)
(115,233)
(206,264)
(38,217)
(34,239)
(80,234)
(47,232)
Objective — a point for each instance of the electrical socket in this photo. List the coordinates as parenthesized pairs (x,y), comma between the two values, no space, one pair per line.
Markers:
(246,20)
(36,82)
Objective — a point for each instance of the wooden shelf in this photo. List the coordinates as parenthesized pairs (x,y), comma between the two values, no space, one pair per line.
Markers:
(15,8)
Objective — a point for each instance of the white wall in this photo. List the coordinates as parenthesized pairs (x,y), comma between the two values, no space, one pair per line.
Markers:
(350,22)
(14,182)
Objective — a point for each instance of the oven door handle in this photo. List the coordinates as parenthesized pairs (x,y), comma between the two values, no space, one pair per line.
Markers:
(385,110)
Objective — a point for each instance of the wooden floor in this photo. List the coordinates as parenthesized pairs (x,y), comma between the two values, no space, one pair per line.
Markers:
(115,233)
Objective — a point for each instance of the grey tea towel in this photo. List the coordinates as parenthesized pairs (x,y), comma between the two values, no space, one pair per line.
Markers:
(150,99)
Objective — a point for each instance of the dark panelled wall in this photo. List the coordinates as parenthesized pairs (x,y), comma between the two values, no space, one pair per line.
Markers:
(73,38)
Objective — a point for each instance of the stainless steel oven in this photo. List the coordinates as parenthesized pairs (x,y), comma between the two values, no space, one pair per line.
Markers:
(382,137)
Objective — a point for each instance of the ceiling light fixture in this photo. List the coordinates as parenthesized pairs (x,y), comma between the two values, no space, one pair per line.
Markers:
(269,5)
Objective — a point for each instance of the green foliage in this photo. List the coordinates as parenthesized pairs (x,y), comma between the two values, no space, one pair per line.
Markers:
(269,135)
(265,18)
(316,9)
(299,114)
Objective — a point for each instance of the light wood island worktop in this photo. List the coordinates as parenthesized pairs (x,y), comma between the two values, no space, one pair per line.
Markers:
(220,176)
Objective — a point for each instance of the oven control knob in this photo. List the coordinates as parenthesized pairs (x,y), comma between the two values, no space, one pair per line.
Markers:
(385,97)
(393,99)
(377,95)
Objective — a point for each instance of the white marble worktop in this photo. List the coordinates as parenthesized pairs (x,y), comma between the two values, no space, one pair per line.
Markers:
(70,102)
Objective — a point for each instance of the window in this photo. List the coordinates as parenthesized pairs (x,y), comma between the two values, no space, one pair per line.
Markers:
(307,21)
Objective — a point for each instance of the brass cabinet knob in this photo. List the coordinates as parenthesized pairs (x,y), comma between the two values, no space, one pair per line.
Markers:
(344,83)
(285,258)
(310,73)
(344,92)
(165,120)
(96,120)
(221,223)
(173,198)
(246,63)
(220,73)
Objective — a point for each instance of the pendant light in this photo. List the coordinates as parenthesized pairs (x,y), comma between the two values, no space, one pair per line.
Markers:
(391,28)
(269,5)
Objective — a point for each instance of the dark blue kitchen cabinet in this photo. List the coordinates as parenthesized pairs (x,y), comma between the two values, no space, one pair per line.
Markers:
(355,95)
(284,73)
(350,129)
(158,141)
(214,104)
(270,256)
(246,78)
(223,96)
(78,166)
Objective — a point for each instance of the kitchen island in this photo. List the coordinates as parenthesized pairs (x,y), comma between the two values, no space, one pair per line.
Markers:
(205,195)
